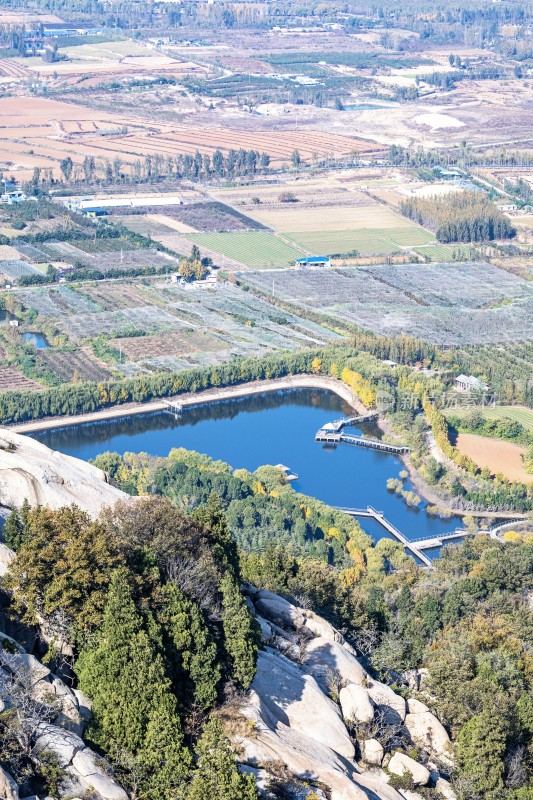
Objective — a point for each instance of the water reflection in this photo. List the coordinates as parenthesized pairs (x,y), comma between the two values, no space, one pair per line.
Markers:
(269,428)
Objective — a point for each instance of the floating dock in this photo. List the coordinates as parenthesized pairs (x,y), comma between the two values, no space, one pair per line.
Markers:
(329,436)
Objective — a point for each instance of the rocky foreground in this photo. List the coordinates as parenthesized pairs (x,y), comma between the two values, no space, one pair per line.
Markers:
(312,710)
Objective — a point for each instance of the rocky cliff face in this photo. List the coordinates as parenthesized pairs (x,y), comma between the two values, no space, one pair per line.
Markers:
(29,469)
(314,708)
(52,717)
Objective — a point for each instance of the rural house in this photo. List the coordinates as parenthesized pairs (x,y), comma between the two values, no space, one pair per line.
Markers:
(468,383)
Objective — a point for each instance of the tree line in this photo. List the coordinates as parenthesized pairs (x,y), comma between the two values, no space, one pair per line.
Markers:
(459,217)
(152,168)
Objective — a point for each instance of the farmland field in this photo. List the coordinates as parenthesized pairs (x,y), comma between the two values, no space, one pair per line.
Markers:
(443,252)
(258,249)
(12,380)
(69,365)
(520,414)
(367,241)
(332,229)
(497,455)
(43,132)
(157,325)
(293,217)
(467,303)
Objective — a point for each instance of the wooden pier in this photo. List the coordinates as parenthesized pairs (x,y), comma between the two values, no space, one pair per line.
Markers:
(174,407)
(329,436)
(338,424)
(410,546)
(290,475)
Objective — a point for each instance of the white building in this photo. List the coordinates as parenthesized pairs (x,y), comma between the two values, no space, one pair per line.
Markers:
(468,383)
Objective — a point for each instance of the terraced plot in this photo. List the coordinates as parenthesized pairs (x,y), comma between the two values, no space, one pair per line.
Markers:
(255,249)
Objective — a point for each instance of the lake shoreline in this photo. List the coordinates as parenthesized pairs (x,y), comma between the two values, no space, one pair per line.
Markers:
(197,398)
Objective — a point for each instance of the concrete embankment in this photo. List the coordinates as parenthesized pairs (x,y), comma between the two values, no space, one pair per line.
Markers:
(193,399)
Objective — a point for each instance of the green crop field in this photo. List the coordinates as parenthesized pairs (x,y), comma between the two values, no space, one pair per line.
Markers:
(519,414)
(444,252)
(365,240)
(256,249)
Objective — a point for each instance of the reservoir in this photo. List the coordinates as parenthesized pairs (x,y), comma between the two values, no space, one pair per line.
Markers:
(268,428)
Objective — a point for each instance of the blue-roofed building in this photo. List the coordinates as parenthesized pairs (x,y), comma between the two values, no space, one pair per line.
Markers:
(313,261)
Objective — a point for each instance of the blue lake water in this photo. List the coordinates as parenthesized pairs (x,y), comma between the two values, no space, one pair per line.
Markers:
(269,428)
(36,339)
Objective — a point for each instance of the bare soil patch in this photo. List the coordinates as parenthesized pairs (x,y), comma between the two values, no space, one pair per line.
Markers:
(497,455)
(12,380)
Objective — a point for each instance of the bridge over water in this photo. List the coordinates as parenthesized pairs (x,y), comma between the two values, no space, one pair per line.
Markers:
(417,546)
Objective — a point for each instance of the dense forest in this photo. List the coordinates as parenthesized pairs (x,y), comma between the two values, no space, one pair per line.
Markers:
(459,217)
(148,601)
(158,625)
(260,507)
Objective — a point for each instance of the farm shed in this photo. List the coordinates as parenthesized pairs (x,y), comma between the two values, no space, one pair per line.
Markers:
(95,211)
(313,261)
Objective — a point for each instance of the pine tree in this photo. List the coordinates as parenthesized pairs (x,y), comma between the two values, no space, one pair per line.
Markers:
(14,530)
(217,775)
(221,542)
(480,753)
(240,632)
(191,649)
(135,716)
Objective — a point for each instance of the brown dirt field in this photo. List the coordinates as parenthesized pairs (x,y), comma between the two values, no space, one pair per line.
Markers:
(167,344)
(330,218)
(175,224)
(43,131)
(113,296)
(12,380)
(497,455)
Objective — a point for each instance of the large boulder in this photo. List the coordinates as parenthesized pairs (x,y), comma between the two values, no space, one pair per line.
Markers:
(426,731)
(320,627)
(275,609)
(294,699)
(372,752)
(85,770)
(445,789)
(273,742)
(414,706)
(92,776)
(6,557)
(30,470)
(401,765)
(325,660)
(355,704)
(8,788)
(391,705)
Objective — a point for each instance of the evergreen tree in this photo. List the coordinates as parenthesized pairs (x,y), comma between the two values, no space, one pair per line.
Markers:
(217,775)
(240,632)
(480,752)
(222,544)
(190,648)
(135,716)
(14,530)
